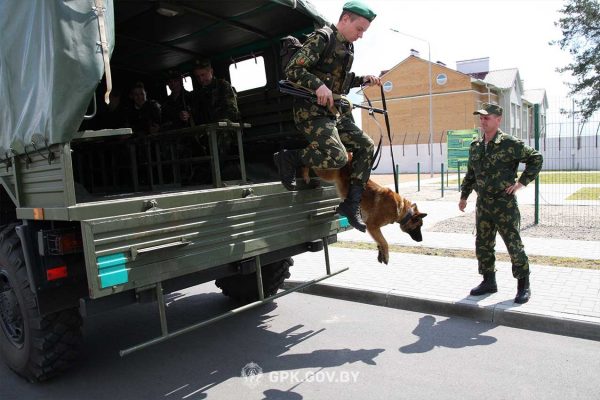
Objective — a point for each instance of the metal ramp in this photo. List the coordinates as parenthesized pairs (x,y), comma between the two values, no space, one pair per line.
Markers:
(166,334)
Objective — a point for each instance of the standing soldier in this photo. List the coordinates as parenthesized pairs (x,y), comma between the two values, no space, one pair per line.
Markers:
(492,171)
(324,67)
(214,99)
(177,106)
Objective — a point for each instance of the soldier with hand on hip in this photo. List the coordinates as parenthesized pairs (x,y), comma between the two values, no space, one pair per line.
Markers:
(324,68)
(492,173)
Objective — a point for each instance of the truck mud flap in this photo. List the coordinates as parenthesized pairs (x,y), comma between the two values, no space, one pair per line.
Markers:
(142,249)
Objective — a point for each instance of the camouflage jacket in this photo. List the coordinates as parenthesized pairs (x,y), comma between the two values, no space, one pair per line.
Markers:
(492,170)
(215,102)
(172,107)
(305,69)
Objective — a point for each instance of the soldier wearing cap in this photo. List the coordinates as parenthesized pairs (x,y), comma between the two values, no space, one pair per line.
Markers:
(214,99)
(492,173)
(331,136)
(176,109)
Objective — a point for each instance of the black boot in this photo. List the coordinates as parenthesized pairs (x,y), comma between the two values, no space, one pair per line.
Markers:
(488,285)
(350,208)
(287,161)
(523,291)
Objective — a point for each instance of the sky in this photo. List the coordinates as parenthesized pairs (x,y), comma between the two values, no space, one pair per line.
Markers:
(512,33)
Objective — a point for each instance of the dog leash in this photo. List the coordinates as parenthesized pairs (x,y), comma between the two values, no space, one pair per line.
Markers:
(377,154)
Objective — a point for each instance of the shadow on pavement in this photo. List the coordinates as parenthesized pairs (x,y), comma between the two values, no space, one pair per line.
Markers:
(192,364)
(452,332)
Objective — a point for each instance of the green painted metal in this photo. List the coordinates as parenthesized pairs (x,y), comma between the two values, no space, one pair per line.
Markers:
(458,165)
(442,176)
(235,311)
(459,142)
(536,127)
(214,233)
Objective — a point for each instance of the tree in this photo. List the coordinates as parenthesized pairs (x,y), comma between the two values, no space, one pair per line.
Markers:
(580,27)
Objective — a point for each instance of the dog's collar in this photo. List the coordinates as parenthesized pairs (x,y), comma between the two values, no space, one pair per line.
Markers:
(408,216)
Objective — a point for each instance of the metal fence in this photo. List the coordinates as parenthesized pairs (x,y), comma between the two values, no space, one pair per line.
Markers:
(569,186)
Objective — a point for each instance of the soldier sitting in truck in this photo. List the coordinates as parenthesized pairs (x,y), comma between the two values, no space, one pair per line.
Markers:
(144,115)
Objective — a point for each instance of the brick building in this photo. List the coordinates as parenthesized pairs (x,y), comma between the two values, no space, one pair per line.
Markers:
(455,94)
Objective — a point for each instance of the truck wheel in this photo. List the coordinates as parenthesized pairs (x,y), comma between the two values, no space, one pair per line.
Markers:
(35,347)
(242,288)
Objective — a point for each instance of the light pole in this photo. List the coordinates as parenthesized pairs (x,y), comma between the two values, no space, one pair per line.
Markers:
(430,97)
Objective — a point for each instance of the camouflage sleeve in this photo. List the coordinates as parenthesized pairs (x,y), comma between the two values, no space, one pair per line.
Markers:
(468,182)
(298,68)
(357,81)
(227,102)
(533,160)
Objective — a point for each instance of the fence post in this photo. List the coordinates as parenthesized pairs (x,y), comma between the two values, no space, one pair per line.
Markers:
(448,176)
(442,176)
(536,124)
(418,177)
(458,170)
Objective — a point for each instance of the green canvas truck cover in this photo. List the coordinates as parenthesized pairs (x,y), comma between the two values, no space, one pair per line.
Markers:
(50,64)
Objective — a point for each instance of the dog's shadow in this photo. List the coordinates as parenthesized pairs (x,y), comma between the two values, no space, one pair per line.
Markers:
(453,332)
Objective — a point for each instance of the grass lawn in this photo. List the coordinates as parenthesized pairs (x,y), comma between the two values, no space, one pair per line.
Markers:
(570,177)
(586,193)
(565,177)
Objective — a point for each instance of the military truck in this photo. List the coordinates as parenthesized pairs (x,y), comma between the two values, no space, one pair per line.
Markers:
(92,219)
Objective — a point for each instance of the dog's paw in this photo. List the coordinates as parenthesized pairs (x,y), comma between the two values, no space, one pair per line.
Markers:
(382,256)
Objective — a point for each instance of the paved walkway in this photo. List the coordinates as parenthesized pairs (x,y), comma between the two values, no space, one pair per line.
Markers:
(564,300)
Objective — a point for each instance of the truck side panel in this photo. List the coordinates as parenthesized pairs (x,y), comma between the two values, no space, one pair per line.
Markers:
(137,250)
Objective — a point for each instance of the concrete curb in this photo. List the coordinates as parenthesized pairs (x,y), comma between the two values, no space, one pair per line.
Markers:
(501,314)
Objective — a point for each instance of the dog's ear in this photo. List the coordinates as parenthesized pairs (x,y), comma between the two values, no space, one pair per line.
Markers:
(422,215)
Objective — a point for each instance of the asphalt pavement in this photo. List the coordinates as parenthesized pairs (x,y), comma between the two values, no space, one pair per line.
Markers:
(564,300)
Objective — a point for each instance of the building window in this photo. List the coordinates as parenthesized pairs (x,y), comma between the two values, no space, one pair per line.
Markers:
(525,119)
(248,74)
(518,121)
(513,130)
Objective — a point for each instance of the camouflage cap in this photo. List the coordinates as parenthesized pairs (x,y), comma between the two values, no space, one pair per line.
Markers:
(202,63)
(489,108)
(359,8)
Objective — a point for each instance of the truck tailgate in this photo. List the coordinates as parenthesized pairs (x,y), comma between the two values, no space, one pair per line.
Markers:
(140,249)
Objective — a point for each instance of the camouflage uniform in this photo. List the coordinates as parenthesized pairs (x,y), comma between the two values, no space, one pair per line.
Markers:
(491,169)
(329,136)
(171,109)
(215,102)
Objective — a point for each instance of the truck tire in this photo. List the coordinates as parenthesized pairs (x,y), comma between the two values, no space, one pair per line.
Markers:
(242,288)
(35,347)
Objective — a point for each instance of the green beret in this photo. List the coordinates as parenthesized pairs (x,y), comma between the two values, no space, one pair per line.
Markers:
(488,108)
(359,8)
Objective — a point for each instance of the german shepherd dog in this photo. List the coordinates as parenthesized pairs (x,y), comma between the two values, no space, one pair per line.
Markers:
(379,206)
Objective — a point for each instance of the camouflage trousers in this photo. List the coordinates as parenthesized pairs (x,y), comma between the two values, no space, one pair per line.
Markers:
(499,214)
(330,140)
